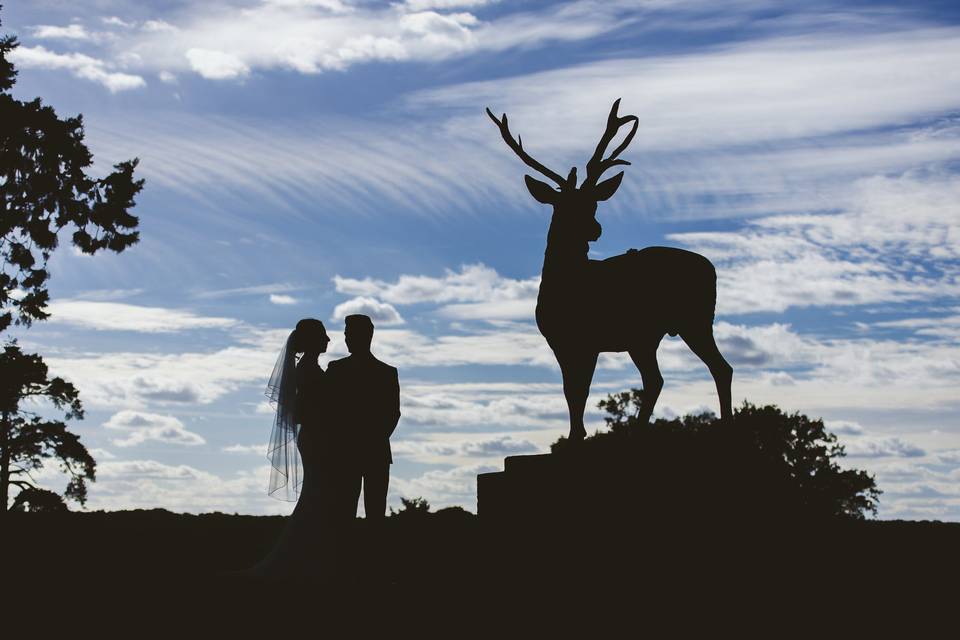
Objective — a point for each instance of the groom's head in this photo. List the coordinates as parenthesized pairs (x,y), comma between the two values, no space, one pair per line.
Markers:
(358,333)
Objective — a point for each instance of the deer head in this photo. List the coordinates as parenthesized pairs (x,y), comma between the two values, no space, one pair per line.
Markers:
(575,208)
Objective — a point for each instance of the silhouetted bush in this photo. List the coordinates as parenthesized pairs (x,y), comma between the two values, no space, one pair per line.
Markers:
(416,507)
(36,500)
(764,462)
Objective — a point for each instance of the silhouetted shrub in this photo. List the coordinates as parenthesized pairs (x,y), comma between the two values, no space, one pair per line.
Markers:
(34,500)
(764,462)
(416,507)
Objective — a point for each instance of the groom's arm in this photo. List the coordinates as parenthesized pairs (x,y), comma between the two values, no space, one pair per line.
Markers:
(392,401)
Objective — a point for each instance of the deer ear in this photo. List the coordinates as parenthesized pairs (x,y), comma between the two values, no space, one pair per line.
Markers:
(606,189)
(541,191)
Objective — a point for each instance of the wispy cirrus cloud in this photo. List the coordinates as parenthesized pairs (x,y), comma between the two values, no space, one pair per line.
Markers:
(823,111)
(276,288)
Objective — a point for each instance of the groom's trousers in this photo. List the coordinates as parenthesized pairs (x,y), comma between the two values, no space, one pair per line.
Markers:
(376,480)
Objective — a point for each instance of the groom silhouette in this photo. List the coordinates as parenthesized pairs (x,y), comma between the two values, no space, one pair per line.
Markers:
(367,393)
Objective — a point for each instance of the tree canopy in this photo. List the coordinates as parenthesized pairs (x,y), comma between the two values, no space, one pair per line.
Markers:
(44,189)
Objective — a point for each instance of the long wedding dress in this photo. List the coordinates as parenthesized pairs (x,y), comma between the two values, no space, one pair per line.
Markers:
(301,445)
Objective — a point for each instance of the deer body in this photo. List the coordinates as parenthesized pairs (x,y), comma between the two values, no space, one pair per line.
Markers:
(626,303)
(572,303)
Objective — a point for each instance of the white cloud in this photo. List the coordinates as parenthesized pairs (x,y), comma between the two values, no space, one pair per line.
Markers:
(424,5)
(137,380)
(140,427)
(69,32)
(80,65)
(886,447)
(444,487)
(216,65)
(148,469)
(336,6)
(382,313)
(115,21)
(157,26)
(150,484)
(844,427)
(505,346)
(451,446)
(949,457)
(276,298)
(220,42)
(879,248)
(479,291)
(114,316)
(259,449)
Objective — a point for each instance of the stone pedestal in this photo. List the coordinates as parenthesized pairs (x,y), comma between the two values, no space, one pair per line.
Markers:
(525,480)
(623,484)
(545,487)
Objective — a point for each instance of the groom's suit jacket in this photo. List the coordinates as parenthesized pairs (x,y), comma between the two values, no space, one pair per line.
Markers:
(366,397)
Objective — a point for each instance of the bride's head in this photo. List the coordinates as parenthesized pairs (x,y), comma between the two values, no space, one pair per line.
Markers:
(310,336)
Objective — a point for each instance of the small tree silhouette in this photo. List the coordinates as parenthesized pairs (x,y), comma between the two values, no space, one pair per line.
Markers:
(28,438)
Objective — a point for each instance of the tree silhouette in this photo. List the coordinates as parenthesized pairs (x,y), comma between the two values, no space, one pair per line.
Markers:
(44,189)
(27,438)
(783,464)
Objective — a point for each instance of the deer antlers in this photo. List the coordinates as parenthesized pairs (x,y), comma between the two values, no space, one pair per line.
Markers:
(596,166)
(517,146)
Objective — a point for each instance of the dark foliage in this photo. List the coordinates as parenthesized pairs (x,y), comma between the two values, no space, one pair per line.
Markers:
(44,188)
(412,508)
(763,461)
(28,438)
(37,500)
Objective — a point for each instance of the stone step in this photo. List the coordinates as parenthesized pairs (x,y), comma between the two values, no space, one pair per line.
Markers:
(536,463)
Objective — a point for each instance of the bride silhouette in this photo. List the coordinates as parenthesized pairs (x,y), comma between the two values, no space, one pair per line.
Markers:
(302,457)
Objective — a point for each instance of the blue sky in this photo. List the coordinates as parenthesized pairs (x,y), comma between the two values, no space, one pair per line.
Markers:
(322,157)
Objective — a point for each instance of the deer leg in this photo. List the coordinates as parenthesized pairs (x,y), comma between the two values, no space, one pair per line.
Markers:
(703,344)
(646,361)
(577,372)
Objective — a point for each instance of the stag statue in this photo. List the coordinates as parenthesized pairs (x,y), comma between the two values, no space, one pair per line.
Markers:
(624,303)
